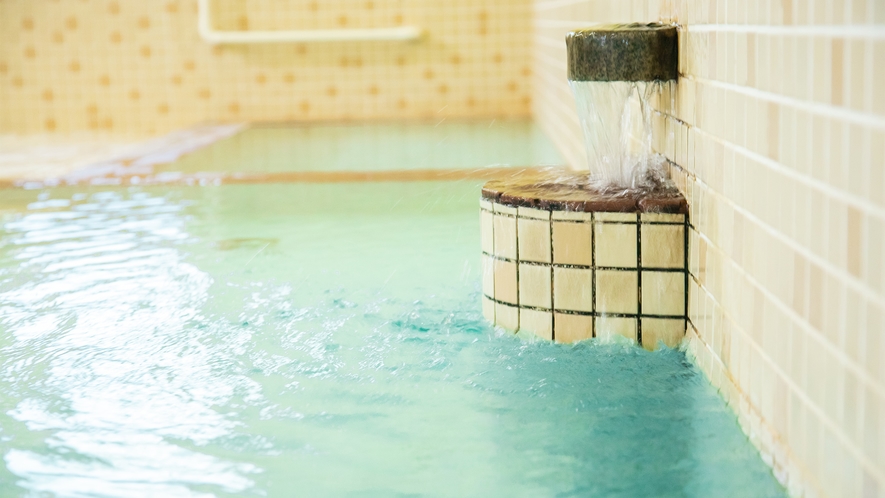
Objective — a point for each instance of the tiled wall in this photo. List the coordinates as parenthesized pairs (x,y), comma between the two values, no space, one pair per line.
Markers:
(777,134)
(141,67)
(570,276)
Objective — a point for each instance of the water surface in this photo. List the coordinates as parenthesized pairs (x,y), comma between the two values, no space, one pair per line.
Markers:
(316,340)
(440,144)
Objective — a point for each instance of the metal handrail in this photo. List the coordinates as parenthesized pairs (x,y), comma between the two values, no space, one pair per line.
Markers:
(208,33)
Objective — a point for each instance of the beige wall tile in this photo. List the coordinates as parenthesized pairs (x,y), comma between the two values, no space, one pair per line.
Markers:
(488,309)
(663,246)
(487,235)
(668,331)
(534,286)
(534,240)
(572,243)
(573,328)
(506,282)
(572,215)
(628,217)
(608,327)
(573,289)
(663,293)
(507,316)
(615,245)
(505,209)
(504,236)
(662,217)
(539,323)
(537,214)
(617,291)
(488,276)
(144,69)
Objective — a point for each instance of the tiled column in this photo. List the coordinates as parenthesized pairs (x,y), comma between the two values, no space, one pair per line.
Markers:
(569,275)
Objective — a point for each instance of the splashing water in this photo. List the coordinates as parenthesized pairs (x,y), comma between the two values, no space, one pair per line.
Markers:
(616,119)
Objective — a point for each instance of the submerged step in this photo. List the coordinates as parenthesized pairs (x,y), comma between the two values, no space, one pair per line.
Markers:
(567,261)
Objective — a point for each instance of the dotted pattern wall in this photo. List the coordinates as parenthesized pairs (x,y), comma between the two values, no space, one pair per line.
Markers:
(776,136)
(140,67)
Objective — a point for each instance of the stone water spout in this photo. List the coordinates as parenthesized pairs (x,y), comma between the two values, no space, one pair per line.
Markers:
(613,71)
(569,256)
(623,52)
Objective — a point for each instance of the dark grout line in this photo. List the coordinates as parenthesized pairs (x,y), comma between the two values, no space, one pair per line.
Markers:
(552,284)
(585,313)
(639,279)
(583,222)
(584,267)
(685,261)
(593,275)
(516,251)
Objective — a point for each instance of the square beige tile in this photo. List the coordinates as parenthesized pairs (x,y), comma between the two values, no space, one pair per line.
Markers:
(536,214)
(488,276)
(486,224)
(534,286)
(663,217)
(617,291)
(572,215)
(615,217)
(501,208)
(616,245)
(505,236)
(670,331)
(507,316)
(572,243)
(663,293)
(505,282)
(539,323)
(488,309)
(534,240)
(573,289)
(608,327)
(663,246)
(572,328)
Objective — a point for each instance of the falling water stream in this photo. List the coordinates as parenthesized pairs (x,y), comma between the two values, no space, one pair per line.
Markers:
(616,119)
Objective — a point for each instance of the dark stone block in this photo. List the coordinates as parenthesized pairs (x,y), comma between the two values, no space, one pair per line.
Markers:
(623,52)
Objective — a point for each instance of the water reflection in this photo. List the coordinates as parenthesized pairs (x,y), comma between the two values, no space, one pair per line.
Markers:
(100,362)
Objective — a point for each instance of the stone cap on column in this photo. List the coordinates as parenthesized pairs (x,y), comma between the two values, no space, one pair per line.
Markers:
(555,189)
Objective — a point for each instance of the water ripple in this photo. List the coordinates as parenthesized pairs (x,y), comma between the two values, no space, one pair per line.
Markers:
(321,340)
(99,351)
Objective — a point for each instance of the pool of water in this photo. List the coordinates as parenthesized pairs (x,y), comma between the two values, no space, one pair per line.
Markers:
(371,147)
(316,340)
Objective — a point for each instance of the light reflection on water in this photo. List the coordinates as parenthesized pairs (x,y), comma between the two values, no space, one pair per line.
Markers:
(103,357)
(316,340)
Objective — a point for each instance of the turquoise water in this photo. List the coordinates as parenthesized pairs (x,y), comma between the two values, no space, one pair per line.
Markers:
(370,147)
(316,340)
